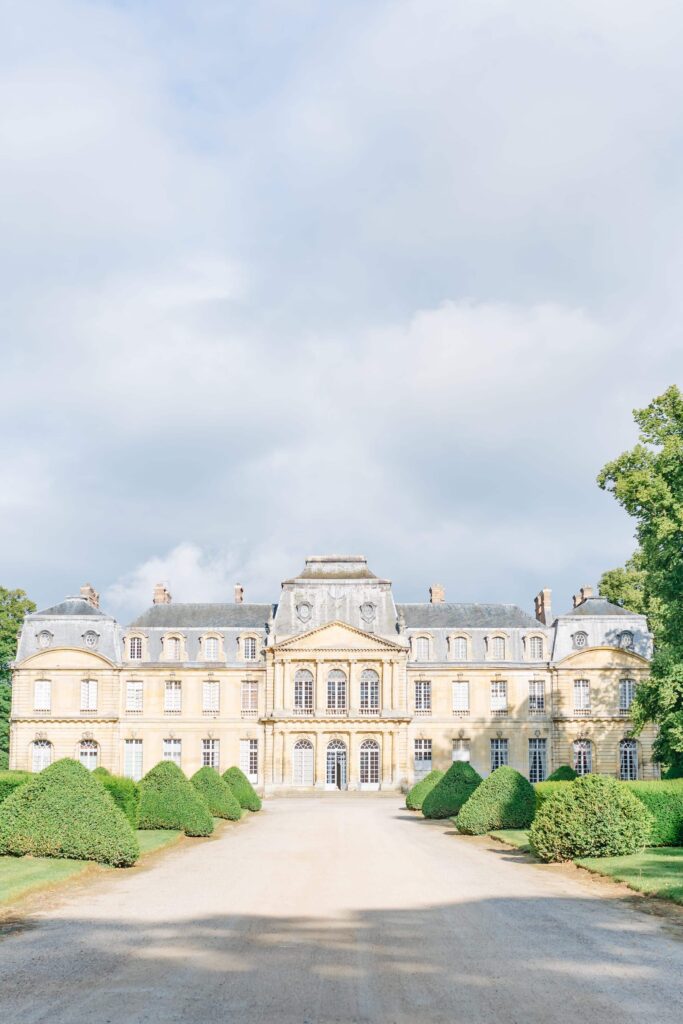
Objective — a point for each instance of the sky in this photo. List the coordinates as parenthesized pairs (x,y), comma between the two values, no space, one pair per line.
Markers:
(287,277)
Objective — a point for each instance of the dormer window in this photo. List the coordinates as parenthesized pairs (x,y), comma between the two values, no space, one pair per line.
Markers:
(172,648)
(535,648)
(211,648)
(135,648)
(459,648)
(497,648)
(580,640)
(422,648)
(626,640)
(250,648)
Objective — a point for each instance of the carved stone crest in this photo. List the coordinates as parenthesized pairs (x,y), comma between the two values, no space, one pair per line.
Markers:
(368,611)
(304,611)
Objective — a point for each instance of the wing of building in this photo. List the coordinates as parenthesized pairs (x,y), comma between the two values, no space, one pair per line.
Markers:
(332,686)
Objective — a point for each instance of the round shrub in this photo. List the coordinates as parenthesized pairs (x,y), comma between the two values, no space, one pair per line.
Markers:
(594,817)
(169,800)
(565,773)
(452,791)
(217,794)
(242,789)
(416,795)
(64,812)
(544,790)
(10,780)
(124,792)
(504,800)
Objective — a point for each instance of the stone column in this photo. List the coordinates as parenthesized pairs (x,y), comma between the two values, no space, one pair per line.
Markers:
(279,698)
(320,741)
(320,696)
(352,697)
(352,766)
(386,781)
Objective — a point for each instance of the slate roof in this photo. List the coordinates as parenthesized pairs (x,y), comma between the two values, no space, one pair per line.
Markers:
(598,606)
(476,616)
(206,616)
(72,606)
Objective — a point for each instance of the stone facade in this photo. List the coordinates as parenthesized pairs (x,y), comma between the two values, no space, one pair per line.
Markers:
(335,685)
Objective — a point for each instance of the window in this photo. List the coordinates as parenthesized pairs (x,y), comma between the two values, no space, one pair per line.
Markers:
(303,691)
(423,758)
(626,640)
(627,691)
(172,648)
(134,695)
(336,764)
(536,648)
(580,640)
(171,751)
(211,754)
(460,648)
(461,750)
(211,696)
(628,760)
(173,695)
(302,766)
(250,649)
(336,690)
(537,760)
(135,648)
(582,697)
(499,697)
(423,697)
(422,648)
(132,759)
(461,697)
(499,753)
(249,697)
(88,695)
(91,637)
(42,695)
(211,648)
(87,754)
(44,638)
(369,763)
(249,759)
(498,648)
(41,755)
(536,697)
(369,691)
(583,757)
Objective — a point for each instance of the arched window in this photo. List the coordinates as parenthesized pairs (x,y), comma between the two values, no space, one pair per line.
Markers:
(369,763)
(336,691)
(498,648)
(135,648)
(583,757)
(172,648)
(628,760)
(422,648)
(303,763)
(336,764)
(460,648)
(580,640)
(536,648)
(87,754)
(303,691)
(41,755)
(211,648)
(369,691)
(250,648)
(626,640)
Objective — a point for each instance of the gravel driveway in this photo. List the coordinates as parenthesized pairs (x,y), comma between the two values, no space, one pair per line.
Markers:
(342,909)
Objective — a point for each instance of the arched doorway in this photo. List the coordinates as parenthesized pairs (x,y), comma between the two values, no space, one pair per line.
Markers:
(336,765)
(87,754)
(302,766)
(369,764)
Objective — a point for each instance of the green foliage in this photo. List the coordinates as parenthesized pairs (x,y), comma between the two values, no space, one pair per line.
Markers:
(543,790)
(124,792)
(675,769)
(217,794)
(595,816)
(450,793)
(5,708)
(10,780)
(242,789)
(169,800)
(418,792)
(504,800)
(14,605)
(64,812)
(565,773)
(664,801)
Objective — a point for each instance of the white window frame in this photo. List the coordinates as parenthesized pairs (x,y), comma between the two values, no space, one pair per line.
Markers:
(42,695)
(423,696)
(337,690)
(249,759)
(461,749)
(422,757)
(500,752)
(628,760)
(211,648)
(88,695)
(582,696)
(535,648)
(460,648)
(369,690)
(172,750)
(537,696)
(460,692)
(538,759)
(370,764)
(173,696)
(303,691)
(580,640)
(249,697)
(173,648)
(582,753)
(499,697)
(250,648)
(627,691)
(211,753)
(132,759)
(42,753)
(135,648)
(497,648)
(211,696)
(89,748)
(422,646)
(134,695)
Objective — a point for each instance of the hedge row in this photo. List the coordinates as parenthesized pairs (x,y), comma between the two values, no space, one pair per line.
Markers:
(217,794)
(664,801)
(242,788)
(124,792)
(10,780)
(169,800)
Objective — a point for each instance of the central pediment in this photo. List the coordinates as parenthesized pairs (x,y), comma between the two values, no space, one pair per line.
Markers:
(339,636)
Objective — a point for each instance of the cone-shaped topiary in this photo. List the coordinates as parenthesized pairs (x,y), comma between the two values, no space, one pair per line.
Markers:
(64,812)
(416,795)
(565,773)
(452,791)
(10,780)
(504,800)
(594,817)
(242,789)
(124,792)
(217,794)
(168,800)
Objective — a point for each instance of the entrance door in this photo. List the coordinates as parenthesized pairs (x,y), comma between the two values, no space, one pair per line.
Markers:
(303,763)
(336,765)
(369,764)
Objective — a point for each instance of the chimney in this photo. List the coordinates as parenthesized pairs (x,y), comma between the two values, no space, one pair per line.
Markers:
(543,607)
(582,595)
(239,593)
(437,595)
(89,594)
(161,594)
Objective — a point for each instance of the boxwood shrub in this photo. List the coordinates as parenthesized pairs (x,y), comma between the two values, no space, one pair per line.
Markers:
(217,794)
(242,789)
(169,800)
(596,816)
(664,801)
(504,800)
(124,792)
(10,780)
(452,791)
(418,792)
(64,812)
(543,790)
(565,773)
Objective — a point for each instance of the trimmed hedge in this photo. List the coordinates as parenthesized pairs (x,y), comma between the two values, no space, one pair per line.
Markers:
(64,812)
(565,773)
(452,791)
(594,817)
(169,800)
(242,789)
(418,792)
(217,794)
(124,792)
(543,790)
(504,800)
(10,780)
(664,801)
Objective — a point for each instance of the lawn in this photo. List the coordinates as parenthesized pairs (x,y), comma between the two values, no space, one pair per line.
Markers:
(518,837)
(154,838)
(657,871)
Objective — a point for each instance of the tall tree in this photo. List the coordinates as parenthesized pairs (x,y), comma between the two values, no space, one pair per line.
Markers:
(14,605)
(647,481)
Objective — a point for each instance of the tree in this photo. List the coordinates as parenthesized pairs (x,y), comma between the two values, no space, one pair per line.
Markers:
(647,481)
(14,605)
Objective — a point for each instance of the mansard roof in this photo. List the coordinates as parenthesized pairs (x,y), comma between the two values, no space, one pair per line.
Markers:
(598,606)
(72,606)
(205,616)
(461,616)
